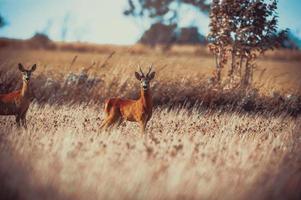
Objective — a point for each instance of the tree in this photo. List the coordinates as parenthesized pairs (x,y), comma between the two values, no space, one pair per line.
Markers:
(219,37)
(159,34)
(65,26)
(162,13)
(169,34)
(242,29)
(2,21)
(190,35)
(291,41)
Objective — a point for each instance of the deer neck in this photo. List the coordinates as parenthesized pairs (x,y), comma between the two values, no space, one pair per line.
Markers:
(25,89)
(146,98)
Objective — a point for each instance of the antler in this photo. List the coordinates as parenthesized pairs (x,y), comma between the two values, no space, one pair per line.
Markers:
(141,70)
(150,69)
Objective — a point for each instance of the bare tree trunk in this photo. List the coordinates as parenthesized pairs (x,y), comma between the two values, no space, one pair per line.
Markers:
(252,66)
(233,65)
(218,68)
(216,61)
(246,78)
(240,67)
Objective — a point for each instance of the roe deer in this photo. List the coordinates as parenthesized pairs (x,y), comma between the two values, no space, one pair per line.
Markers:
(140,110)
(17,102)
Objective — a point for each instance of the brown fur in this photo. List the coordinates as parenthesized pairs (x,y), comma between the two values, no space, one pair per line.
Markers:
(140,110)
(17,102)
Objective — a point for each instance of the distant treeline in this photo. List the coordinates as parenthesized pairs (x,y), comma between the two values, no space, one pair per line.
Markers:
(179,42)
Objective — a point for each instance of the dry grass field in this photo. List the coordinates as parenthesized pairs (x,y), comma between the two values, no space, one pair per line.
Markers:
(190,151)
(277,71)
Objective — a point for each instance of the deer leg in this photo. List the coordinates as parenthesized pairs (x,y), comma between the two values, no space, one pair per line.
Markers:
(23,120)
(18,120)
(104,123)
(120,120)
(108,122)
(143,126)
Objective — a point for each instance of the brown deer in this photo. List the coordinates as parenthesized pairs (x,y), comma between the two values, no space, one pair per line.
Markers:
(17,102)
(140,110)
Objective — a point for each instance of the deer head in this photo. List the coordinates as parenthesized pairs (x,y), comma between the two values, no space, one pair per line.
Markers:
(145,79)
(27,73)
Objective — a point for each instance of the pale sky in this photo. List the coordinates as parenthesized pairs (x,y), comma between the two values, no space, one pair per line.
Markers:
(102,21)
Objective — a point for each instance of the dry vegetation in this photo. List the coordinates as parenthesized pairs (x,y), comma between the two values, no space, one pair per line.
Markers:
(200,144)
(187,154)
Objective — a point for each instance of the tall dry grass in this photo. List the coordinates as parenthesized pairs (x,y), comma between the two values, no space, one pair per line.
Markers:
(185,155)
(65,77)
(201,143)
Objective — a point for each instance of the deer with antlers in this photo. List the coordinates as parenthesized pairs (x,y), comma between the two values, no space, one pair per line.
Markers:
(17,102)
(140,110)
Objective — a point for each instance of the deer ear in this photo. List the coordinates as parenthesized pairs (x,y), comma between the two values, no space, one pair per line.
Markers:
(21,68)
(152,75)
(138,76)
(33,67)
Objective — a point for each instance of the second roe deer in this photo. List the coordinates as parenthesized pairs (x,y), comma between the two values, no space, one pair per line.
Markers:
(17,102)
(140,110)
